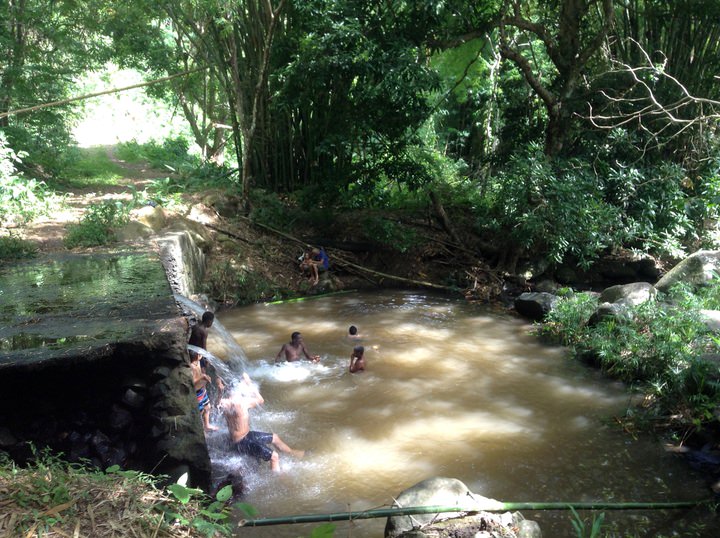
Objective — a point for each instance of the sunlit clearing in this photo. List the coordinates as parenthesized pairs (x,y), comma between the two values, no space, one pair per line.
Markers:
(123,116)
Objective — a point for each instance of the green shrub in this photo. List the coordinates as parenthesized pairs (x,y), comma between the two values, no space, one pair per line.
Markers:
(21,199)
(566,324)
(390,233)
(13,248)
(98,225)
(269,209)
(238,284)
(659,347)
(171,152)
(551,208)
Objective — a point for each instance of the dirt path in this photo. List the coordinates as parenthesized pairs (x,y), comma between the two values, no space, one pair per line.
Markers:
(48,231)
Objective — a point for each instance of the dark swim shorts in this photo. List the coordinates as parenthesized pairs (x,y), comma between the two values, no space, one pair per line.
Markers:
(255,444)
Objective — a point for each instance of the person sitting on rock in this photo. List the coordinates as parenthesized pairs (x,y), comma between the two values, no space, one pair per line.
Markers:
(318,263)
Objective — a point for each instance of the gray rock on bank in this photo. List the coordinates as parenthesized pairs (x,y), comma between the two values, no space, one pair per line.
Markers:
(447,492)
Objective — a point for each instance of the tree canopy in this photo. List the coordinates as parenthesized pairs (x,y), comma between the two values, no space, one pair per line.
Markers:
(526,117)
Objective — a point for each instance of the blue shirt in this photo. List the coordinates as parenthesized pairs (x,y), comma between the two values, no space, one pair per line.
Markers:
(323,258)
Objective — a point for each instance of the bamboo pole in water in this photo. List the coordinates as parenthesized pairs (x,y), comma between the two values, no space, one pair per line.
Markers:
(310,297)
(489,506)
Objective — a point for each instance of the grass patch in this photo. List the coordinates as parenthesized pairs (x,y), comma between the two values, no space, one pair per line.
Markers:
(91,167)
(52,498)
(15,248)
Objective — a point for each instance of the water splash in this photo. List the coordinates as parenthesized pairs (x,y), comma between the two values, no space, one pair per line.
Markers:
(236,357)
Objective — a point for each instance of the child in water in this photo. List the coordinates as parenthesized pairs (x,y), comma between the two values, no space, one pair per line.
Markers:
(357,360)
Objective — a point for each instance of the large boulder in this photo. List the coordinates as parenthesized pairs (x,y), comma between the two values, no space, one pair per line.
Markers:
(697,269)
(628,294)
(436,491)
(535,305)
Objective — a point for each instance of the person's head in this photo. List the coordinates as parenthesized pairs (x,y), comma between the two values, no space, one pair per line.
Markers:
(208,318)
(352,330)
(358,351)
(295,337)
(194,356)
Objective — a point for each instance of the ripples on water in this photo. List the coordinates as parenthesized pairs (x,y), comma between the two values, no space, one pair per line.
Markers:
(451,390)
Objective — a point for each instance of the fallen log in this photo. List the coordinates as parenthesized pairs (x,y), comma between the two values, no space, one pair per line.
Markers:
(338,260)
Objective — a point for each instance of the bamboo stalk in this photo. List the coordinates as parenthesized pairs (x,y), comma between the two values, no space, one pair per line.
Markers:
(488,506)
(310,297)
(96,94)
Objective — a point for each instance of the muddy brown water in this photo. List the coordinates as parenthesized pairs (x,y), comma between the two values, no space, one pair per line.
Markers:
(451,389)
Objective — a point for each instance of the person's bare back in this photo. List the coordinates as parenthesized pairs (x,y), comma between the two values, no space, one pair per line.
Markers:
(236,410)
(237,417)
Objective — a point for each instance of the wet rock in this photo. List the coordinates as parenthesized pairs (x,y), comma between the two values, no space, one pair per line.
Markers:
(160,390)
(452,492)
(161,372)
(115,456)
(138,385)
(101,444)
(535,305)
(617,311)
(79,446)
(433,491)
(7,439)
(120,419)
(133,399)
(632,294)
(697,269)
(527,528)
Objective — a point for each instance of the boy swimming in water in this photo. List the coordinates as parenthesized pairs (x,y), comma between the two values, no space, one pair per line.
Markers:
(357,360)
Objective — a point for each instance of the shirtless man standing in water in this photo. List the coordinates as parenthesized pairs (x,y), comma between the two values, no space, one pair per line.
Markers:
(294,348)
(236,409)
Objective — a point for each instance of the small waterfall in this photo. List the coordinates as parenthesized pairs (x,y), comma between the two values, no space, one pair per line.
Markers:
(228,467)
(228,375)
(236,357)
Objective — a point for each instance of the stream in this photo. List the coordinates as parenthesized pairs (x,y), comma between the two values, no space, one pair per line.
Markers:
(451,389)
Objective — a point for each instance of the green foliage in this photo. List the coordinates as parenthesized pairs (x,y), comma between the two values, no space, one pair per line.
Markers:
(551,209)
(326,530)
(51,496)
(659,346)
(239,284)
(171,152)
(21,199)
(566,322)
(210,520)
(97,227)
(13,248)
(90,167)
(269,209)
(40,63)
(579,525)
(390,233)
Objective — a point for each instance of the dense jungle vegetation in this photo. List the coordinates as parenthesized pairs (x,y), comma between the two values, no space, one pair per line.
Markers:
(554,132)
